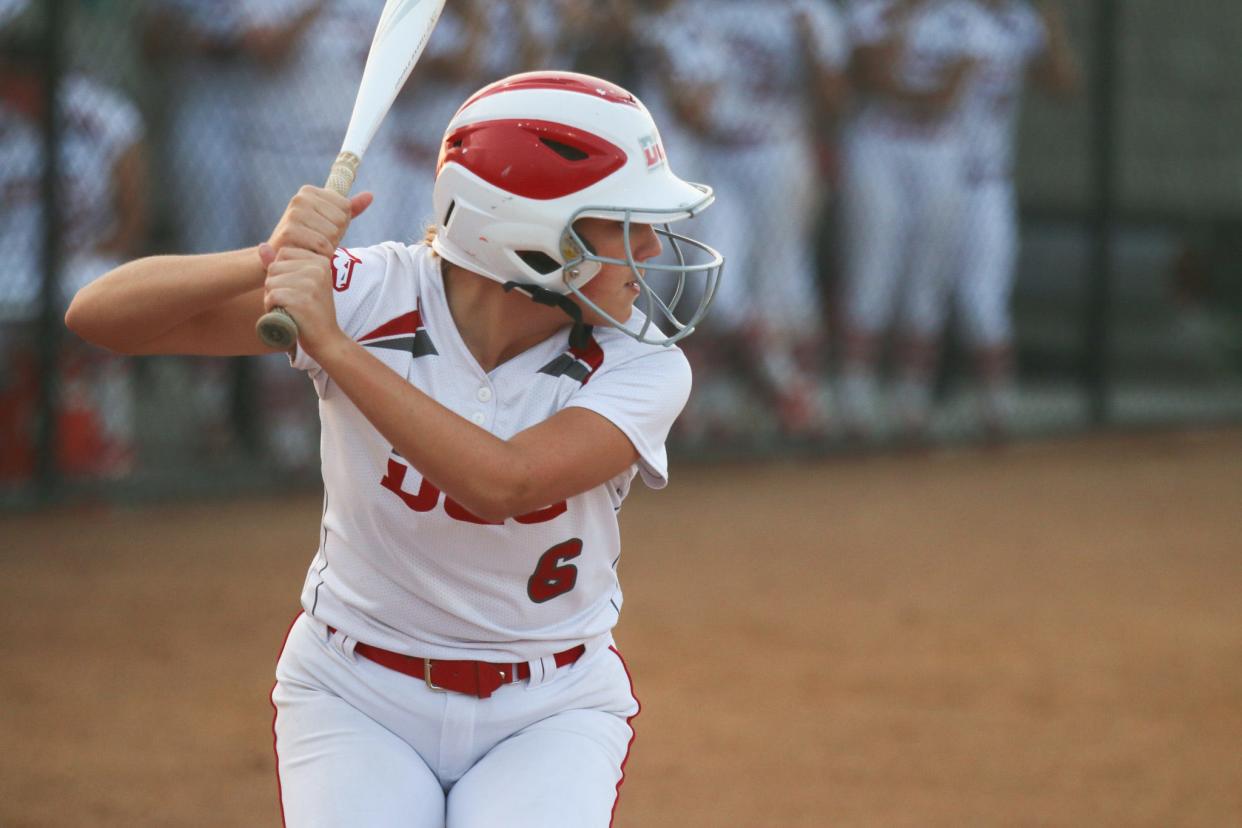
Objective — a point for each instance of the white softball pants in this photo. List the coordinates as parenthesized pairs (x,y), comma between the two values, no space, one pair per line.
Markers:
(989,251)
(763,221)
(361,746)
(901,211)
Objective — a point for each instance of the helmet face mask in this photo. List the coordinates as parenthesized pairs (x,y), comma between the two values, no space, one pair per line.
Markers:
(528,156)
(659,303)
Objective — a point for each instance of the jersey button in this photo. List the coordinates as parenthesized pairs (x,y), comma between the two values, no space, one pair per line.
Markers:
(484,394)
(478,418)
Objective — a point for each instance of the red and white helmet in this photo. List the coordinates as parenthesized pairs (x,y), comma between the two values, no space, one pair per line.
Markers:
(527,156)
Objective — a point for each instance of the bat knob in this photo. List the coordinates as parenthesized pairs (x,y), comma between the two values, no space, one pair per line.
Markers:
(277,329)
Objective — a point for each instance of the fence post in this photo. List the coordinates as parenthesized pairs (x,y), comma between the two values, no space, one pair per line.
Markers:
(50,326)
(1105,155)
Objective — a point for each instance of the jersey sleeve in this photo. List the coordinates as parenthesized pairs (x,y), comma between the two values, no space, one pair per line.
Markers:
(641,396)
(358,276)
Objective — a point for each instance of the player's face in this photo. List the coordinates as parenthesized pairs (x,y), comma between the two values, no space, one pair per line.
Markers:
(614,288)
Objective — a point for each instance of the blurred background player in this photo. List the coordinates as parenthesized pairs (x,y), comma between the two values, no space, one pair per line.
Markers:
(745,78)
(103,220)
(1021,39)
(902,195)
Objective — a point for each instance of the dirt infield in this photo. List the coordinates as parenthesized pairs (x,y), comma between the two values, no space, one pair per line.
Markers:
(1046,635)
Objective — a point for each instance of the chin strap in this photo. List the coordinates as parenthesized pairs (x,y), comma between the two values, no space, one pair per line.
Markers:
(580,334)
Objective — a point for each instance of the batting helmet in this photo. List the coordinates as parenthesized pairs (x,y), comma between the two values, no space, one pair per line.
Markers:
(527,156)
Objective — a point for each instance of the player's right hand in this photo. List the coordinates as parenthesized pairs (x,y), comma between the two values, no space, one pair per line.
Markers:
(316,220)
(300,281)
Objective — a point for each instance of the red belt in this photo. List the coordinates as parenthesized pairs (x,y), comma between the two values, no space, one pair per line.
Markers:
(474,678)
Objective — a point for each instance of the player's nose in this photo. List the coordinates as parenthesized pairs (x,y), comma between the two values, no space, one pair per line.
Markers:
(645,242)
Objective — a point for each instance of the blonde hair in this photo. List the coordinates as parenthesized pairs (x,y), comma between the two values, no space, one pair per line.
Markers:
(429,234)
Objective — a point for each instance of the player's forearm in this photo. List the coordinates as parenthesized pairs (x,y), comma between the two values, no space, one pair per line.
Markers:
(485,474)
(144,299)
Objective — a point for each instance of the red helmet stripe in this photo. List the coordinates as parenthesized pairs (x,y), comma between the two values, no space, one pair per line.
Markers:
(513,156)
(561,81)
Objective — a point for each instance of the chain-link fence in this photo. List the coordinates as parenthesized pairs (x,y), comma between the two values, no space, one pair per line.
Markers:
(945,220)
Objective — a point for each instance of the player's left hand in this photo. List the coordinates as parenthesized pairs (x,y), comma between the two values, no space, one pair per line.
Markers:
(300,281)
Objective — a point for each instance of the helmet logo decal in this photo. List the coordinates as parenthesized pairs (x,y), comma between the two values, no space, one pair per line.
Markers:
(653,151)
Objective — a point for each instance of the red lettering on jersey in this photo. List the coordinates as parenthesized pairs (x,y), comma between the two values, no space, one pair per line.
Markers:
(428,495)
(343,263)
(458,512)
(554,575)
(544,515)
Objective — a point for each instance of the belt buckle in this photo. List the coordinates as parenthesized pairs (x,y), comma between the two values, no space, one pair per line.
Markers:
(427,677)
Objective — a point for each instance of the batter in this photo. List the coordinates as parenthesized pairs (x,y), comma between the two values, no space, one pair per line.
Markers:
(454,665)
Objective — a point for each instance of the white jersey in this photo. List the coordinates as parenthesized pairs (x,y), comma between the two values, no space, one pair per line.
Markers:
(1014,36)
(403,567)
(98,127)
(753,56)
(936,35)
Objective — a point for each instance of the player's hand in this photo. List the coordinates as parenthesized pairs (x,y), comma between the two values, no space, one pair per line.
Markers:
(300,281)
(316,220)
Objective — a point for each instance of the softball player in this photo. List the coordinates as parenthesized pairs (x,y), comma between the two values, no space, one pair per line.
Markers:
(1020,39)
(902,193)
(454,665)
(745,77)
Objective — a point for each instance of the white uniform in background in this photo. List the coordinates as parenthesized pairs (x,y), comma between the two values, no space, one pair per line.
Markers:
(402,567)
(903,193)
(746,68)
(1016,36)
(759,148)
